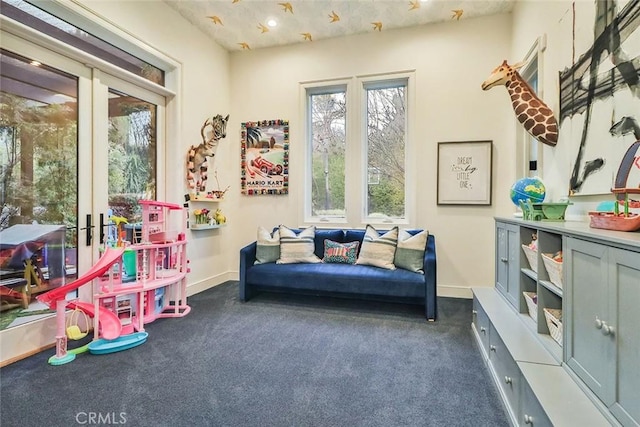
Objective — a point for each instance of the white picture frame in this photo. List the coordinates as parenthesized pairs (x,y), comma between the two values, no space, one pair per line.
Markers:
(465,173)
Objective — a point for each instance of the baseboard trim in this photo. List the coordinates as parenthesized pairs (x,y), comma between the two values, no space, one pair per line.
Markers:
(450,291)
(25,355)
(210,282)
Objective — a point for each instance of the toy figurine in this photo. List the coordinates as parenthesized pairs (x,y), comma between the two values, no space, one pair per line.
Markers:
(220,218)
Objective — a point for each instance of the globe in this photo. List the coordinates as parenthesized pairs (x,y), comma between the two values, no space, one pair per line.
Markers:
(528,188)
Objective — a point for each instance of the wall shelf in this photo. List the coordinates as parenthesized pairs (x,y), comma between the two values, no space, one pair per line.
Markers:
(206,226)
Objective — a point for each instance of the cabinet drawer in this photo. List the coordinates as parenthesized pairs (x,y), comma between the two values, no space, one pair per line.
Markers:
(506,369)
(531,413)
(481,322)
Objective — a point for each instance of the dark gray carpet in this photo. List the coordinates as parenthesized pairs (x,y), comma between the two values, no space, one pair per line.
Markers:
(278,360)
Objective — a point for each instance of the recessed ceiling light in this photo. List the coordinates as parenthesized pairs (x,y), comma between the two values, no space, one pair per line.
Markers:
(272,23)
(36,63)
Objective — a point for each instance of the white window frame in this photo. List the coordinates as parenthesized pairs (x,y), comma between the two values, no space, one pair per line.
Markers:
(533,64)
(355,151)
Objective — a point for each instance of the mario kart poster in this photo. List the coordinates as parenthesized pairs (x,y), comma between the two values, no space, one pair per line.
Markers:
(265,157)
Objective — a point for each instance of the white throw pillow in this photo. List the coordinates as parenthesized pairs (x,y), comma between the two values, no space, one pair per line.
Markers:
(267,246)
(297,248)
(377,250)
(410,251)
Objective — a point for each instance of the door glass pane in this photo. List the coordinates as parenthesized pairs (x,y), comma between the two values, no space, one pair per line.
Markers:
(386,125)
(55,27)
(328,139)
(132,158)
(38,190)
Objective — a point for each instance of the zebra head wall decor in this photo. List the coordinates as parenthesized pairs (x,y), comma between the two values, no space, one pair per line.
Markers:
(212,131)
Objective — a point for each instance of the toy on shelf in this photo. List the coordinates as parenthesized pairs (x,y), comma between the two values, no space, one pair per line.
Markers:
(616,220)
(131,286)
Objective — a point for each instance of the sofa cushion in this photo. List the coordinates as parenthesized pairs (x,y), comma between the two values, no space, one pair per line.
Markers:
(267,246)
(378,250)
(299,247)
(410,250)
(338,278)
(322,235)
(340,253)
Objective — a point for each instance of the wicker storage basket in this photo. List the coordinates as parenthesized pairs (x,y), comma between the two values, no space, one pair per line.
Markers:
(554,268)
(554,322)
(531,298)
(532,257)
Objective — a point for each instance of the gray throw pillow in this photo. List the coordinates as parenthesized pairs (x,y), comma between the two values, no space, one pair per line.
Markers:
(267,246)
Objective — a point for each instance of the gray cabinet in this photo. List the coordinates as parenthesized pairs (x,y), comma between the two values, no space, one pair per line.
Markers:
(591,370)
(508,261)
(517,274)
(604,342)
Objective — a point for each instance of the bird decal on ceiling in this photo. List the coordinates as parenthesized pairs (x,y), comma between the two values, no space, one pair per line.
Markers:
(215,19)
(377,26)
(286,7)
(306,36)
(244,45)
(457,13)
(235,1)
(414,4)
(334,17)
(263,28)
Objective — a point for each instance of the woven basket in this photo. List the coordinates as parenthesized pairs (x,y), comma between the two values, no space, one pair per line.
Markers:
(532,257)
(554,322)
(531,305)
(554,269)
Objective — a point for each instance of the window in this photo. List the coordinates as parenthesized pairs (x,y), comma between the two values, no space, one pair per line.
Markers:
(327,119)
(356,151)
(386,126)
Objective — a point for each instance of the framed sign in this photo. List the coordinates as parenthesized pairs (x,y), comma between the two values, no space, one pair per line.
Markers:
(465,172)
(264,150)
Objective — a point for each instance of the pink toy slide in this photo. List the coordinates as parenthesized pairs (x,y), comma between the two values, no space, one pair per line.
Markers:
(110,326)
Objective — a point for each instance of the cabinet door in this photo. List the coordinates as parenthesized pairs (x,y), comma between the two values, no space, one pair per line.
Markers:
(531,413)
(625,276)
(481,322)
(589,352)
(507,372)
(508,262)
(502,258)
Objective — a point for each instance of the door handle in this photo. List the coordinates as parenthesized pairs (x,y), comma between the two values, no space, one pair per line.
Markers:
(89,230)
(102,225)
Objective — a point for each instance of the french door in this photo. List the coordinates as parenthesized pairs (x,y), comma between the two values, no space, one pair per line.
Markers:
(79,148)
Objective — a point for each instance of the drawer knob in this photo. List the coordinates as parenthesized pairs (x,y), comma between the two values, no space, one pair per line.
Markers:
(474,312)
(483,329)
(606,329)
(504,259)
(528,419)
(492,348)
(508,380)
(598,323)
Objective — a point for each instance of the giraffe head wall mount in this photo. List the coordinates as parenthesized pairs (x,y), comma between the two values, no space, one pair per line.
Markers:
(531,111)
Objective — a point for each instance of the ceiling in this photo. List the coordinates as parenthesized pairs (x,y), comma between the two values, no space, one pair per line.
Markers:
(243,24)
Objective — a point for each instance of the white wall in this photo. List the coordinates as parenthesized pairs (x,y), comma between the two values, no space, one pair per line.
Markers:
(450,60)
(554,19)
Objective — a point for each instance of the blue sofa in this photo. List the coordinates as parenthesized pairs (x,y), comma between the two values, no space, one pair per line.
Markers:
(360,281)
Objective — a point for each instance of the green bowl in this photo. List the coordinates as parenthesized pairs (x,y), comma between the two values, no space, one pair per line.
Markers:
(553,211)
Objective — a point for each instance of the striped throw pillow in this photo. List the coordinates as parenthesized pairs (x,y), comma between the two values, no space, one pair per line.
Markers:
(297,248)
(410,251)
(267,246)
(378,250)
